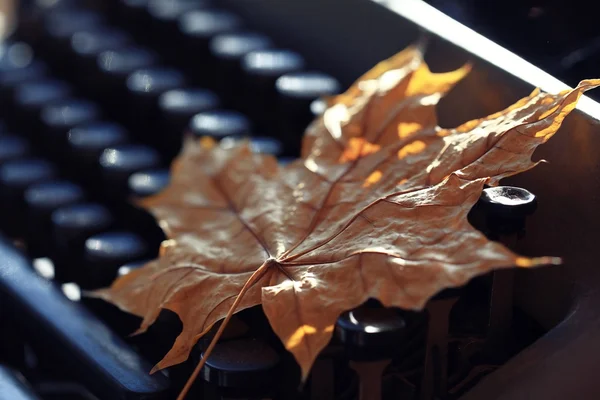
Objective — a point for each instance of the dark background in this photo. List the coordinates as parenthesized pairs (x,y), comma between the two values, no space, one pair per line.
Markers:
(560,37)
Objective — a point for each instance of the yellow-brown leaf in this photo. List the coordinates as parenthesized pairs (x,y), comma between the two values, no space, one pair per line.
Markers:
(376,208)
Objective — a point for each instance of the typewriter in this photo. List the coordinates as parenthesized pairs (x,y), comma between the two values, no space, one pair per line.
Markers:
(94,98)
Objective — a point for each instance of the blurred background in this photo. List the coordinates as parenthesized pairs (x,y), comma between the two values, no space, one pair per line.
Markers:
(560,37)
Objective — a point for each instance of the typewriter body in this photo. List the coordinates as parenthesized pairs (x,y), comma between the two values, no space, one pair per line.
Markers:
(87,355)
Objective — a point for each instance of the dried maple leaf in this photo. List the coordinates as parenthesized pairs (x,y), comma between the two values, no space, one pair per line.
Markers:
(376,208)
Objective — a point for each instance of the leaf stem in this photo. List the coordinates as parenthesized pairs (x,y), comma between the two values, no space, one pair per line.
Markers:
(256,276)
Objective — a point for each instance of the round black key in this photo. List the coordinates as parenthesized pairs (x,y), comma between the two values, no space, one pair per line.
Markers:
(283,161)
(318,107)
(13,147)
(163,12)
(71,226)
(29,27)
(40,201)
(141,184)
(69,113)
(235,45)
(105,253)
(372,337)
(121,322)
(306,86)
(177,107)
(145,87)
(154,81)
(270,64)
(15,53)
(62,23)
(236,329)
(59,26)
(197,28)
(115,66)
(43,198)
(260,145)
(205,24)
(30,98)
(118,163)
(34,95)
(296,91)
(118,64)
(238,366)
(131,266)
(506,208)
(266,145)
(14,57)
(61,116)
(86,142)
(371,334)
(227,50)
(79,221)
(89,44)
(261,69)
(13,75)
(148,183)
(509,201)
(15,177)
(219,124)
